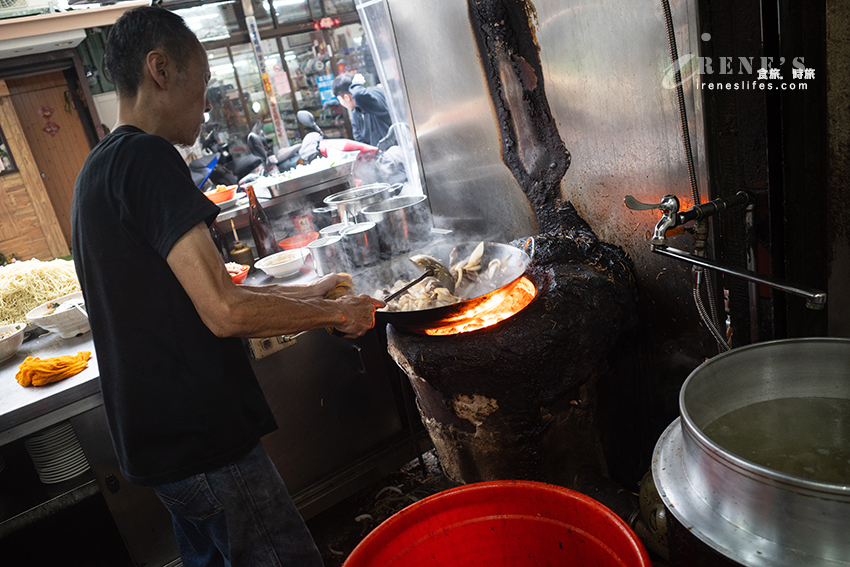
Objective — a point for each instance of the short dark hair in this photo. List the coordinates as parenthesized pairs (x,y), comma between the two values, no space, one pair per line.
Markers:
(342,84)
(137,33)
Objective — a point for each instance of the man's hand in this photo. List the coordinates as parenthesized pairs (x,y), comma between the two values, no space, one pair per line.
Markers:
(323,285)
(358,79)
(359,313)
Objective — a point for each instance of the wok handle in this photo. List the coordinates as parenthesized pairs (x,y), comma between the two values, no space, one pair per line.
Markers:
(529,242)
(425,274)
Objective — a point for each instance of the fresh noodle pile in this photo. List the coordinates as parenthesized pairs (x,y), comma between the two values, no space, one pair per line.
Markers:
(26,285)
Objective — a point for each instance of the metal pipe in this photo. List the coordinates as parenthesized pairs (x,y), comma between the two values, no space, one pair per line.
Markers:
(815,299)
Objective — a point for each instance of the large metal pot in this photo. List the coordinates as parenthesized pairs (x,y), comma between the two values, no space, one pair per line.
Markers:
(400,221)
(329,255)
(748,512)
(361,243)
(351,201)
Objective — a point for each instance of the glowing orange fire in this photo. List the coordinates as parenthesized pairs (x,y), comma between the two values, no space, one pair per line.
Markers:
(515,302)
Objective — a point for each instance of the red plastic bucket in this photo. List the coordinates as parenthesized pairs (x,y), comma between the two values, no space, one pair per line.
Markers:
(502,523)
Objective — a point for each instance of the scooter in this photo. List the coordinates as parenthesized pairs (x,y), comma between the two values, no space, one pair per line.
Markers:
(381,164)
(370,166)
(219,167)
(315,144)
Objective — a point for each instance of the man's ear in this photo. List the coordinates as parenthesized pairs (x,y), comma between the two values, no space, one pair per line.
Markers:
(156,66)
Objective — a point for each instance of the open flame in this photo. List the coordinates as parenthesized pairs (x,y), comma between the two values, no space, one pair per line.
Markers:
(515,302)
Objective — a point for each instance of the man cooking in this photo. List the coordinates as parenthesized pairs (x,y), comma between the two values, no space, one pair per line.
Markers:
(184,408)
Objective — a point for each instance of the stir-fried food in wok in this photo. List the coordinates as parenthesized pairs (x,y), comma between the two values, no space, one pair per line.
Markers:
(463,279)
(427,294)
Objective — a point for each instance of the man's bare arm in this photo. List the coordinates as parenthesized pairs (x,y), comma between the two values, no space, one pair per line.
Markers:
(236,311)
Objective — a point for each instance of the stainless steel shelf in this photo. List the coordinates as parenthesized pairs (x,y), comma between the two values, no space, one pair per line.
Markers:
(24,499)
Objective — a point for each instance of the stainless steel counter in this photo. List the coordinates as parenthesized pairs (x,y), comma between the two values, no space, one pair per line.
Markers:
(345,419)
(24,411)
(294,193)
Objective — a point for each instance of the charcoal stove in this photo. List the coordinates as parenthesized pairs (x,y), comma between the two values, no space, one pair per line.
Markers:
(539,395)
(517,398)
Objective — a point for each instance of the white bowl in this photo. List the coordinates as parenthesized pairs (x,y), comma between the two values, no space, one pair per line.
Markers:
(66,324)
(282,264)
(10,344)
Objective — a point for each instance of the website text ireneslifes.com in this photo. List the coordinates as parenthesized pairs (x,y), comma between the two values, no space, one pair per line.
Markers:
(751,85)
(741,73)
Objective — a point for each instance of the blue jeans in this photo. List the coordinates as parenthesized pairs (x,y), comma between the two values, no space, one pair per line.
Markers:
(239,515)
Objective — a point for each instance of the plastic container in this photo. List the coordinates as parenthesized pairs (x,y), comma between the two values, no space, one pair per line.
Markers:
(298,241)
(219,197)
(502,524)
(240,276)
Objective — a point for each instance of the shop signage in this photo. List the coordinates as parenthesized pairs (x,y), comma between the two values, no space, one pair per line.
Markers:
(274,114)
(281,82)
(326,85)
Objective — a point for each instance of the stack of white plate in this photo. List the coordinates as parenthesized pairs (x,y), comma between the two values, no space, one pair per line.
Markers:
(56,453)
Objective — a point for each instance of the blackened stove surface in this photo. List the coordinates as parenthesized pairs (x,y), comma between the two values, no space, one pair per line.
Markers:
(518,400)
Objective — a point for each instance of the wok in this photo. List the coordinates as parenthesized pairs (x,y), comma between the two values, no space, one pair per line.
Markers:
(487,296)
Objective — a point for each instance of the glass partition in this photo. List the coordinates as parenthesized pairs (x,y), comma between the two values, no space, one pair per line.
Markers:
(301,68)
(375,17)
(226,103)
(251,82)
(353,53)
(283,94)
(309,61)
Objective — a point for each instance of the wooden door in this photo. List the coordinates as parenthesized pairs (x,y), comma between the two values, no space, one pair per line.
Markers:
(55,135)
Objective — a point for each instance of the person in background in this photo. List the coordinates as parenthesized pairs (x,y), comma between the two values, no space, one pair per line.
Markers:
(184,408)
(370,115)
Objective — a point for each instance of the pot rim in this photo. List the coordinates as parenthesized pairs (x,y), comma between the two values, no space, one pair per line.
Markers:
(699,519)
(390,205)
(357,228)
(356,193)
(324,241)
(739,464)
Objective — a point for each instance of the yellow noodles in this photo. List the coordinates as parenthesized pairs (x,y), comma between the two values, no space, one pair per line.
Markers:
(26,285)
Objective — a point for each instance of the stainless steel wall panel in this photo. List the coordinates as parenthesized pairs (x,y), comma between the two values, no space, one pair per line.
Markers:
(603,65)
(455,124)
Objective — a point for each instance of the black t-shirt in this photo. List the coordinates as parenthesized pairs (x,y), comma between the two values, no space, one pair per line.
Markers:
(179,400)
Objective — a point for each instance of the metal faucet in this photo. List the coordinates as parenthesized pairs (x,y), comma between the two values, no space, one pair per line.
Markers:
(671,218)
